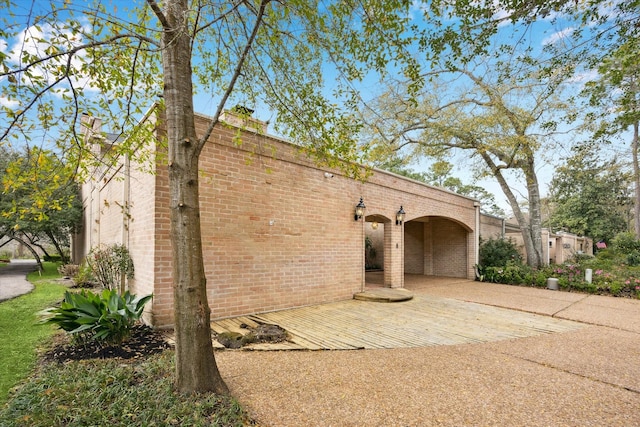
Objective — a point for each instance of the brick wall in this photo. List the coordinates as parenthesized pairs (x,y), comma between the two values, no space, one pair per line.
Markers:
(414,248)
(278,233)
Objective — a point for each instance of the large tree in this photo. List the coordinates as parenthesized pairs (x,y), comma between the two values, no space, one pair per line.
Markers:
(500,118)
(513,57)
(615,95)
(39,203)
(590,196)
(57,62)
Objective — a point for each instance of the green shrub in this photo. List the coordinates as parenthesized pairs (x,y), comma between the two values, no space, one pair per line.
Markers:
(110,265)
(512,274)
(626,243)
(580,258)
(106,318)
(633,258)
(84,277)
(498,252)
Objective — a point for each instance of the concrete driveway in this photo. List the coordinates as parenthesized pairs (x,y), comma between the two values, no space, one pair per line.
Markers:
(13,278)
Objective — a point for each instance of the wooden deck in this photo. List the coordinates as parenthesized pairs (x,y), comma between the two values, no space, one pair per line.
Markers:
(425,320)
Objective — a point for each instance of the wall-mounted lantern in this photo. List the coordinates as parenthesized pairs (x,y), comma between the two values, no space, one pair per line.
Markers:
(400,216)
(360,207)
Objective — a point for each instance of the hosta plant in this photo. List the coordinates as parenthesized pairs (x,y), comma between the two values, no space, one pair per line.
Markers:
(106,318)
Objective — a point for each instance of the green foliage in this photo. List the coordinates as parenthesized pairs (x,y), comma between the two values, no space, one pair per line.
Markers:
(110,264)
(498,252)
(625,243)
(611,275)
(105,318)
(104,392)
(633,258)
(370,254)
(69,270)
(39,200)
(84,276)
(590,197)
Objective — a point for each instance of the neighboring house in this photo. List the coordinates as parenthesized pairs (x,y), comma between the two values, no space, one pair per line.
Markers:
(278,231)
(557,247)
(563,246)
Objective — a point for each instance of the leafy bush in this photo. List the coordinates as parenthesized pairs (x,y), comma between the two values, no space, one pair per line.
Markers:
(109,265)
(84,277)
(614,272)
(498,252)
(626,243)
(633,258)
(511,274)
(106,318)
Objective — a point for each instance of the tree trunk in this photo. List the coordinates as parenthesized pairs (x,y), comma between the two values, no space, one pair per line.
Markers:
(63,257)
(196,369)
(534,252)
(531,227)
(636,180)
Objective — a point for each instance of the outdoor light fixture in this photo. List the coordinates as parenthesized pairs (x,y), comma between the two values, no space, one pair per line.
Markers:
(400,216)
(360,207)
(374,225)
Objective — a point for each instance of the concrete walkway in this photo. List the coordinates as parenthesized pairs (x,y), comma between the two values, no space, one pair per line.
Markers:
(617,313)
(13,278)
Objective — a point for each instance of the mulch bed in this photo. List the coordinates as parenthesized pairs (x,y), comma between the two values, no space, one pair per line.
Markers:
(144,341)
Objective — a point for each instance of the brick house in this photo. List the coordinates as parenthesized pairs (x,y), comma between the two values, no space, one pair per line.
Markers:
(278,231)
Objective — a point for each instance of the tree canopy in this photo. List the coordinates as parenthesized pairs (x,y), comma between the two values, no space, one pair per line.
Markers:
(39,201)
(590,197)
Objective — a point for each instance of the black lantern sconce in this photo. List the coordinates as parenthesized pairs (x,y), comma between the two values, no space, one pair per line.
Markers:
(360,207)
(400,216)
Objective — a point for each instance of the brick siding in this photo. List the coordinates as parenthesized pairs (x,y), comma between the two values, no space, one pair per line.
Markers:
(278,233)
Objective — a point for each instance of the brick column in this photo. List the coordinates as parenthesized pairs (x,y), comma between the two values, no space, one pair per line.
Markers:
(394,255)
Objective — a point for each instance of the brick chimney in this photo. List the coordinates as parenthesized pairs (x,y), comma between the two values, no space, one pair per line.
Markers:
(240,117)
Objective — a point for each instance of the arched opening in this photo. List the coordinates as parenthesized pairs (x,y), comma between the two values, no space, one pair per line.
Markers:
(376,235)
(436,246)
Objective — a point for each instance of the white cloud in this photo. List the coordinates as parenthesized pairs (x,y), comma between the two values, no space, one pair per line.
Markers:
(42,42)
(558,36)
(587,76)
(8,103)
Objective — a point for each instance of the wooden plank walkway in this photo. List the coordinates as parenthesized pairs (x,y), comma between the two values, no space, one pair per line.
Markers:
(423,321)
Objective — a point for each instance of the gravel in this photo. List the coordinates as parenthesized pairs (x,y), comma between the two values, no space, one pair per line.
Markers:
(510,383)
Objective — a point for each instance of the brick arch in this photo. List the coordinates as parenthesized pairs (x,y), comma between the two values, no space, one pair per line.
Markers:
(436,246)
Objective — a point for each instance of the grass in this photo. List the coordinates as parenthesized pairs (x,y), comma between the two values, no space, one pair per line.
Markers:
(109,392)
(91,392)
(20,333)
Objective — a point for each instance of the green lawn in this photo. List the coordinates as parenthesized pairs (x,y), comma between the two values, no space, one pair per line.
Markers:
(20,333)
(93,392)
